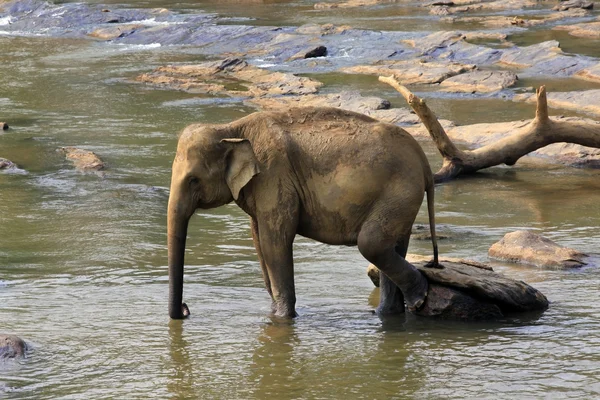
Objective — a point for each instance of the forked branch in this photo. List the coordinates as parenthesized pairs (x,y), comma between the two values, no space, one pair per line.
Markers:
(540,132)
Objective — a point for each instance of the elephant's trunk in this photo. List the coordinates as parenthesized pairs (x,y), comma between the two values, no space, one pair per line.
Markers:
(177,225)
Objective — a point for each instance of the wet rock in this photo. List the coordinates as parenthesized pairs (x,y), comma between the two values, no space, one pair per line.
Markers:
(590,74)
(529,248)
(322,30)
(413,71)
(441,3)
(567,5)
(470,290)
(422,232)
(499,21)
(351,4)
(479,82)
(544,58)
(587,101)
(319,51)
(3,126)
(448,303)
(232,77)
(589,30)
(84,160)
(12,346)
(6,164)
(113,32)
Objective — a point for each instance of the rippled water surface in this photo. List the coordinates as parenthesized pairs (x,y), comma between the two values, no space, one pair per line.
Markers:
(83,274)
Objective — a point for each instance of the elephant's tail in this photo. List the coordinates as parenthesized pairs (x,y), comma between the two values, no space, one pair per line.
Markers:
(430,210)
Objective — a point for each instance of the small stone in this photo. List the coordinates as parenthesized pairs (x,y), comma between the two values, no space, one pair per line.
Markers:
(320,51)
(84,160)
(6,164)
(12,346)
(4,126)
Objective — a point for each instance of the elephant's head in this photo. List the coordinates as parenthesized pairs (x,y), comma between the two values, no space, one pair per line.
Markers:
(211,167)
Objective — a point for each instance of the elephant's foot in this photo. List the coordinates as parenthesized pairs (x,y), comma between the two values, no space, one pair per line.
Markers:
(283,309)
(416,293)
(390,309)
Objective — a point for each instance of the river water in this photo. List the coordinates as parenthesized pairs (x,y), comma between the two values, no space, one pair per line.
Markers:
(83,274)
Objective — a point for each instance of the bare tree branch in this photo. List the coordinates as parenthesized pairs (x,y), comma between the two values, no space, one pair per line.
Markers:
(540,132)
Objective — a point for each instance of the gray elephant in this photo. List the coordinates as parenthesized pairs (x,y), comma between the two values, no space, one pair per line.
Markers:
(334,176)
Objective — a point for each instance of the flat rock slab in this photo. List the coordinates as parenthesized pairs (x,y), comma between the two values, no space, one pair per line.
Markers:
(351,4)
(374,107)
(479,82)
(84,160)
(587,101)
(570,4)
(529,248)
(589,74)
(413,71)
(232,77)
(590,30)
(468,291)
(12,346)
(500,21)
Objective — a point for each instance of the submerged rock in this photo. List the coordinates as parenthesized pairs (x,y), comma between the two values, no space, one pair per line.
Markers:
(3,126)
(6,164)
(12,346)
(113,32)
(84,160)
(480,82)
(590,74)
(529,248)
(469,290)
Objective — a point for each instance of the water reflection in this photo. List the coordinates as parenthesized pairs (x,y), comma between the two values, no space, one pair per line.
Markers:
(180,375)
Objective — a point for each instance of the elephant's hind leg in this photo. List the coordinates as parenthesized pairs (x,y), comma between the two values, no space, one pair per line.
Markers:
(391,299)
(379,248)
(263,267)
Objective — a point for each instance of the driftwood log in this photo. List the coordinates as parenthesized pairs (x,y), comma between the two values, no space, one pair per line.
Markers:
(540,132)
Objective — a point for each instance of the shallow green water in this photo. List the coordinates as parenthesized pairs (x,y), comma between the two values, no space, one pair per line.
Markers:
(83,272)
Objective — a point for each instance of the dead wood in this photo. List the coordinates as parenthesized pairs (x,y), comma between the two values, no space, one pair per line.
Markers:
(540,132)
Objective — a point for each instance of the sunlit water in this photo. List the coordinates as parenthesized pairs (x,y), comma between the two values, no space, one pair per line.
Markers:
(83,274)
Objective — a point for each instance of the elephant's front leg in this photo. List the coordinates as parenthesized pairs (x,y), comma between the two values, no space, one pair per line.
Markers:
(276,241)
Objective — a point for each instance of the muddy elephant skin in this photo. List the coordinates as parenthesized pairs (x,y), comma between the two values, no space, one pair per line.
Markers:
(335,176)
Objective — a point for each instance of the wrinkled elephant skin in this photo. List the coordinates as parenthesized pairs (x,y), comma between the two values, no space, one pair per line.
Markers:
(335,176)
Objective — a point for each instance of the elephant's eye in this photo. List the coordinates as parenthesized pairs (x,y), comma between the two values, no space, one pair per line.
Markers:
(193,180)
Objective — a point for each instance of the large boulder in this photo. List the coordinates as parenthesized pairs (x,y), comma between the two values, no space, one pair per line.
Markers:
(468,290)
(529,248)
(12,346)
(479,82)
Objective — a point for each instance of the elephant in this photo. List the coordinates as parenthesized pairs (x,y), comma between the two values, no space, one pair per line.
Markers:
(335,176)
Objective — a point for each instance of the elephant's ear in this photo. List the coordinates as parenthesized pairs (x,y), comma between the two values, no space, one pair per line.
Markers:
(241,164)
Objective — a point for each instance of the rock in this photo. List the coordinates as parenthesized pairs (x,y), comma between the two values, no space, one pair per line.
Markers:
(581,101)
(413,71)
(319,51)
(590,74)
(529,248)
(441,3)
(4,126)
(448,303)
(322,30)
(567,5)
(84,160)
(499,21)
(470,290)
(351,4)
(113,32)
(589,30)
(232,77)
(12,346)
(479,81)
(6,164)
